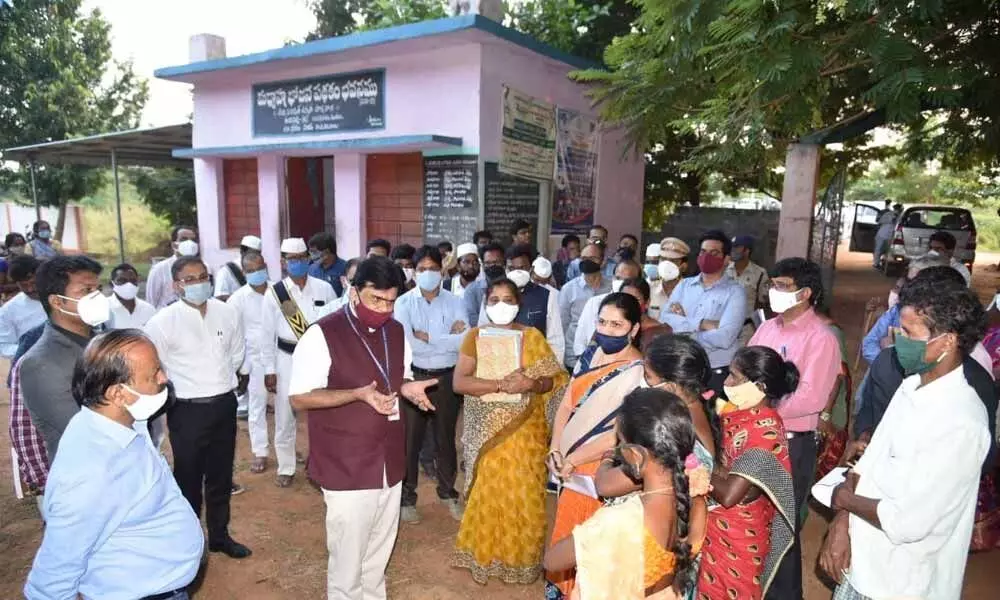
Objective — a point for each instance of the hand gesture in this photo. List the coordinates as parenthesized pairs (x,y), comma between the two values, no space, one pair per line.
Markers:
(835,554)
(422,336)
(566,469)
(457,327)
(384,404)
(416,392)
(271,383)
(517,383)
(554,462)
(677,309)
(853,451)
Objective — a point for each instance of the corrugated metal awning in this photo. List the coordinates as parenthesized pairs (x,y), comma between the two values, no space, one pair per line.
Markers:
(151,147)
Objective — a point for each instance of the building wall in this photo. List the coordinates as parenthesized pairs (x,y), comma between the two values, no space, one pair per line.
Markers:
(619,181)
(689,222)
(18,218)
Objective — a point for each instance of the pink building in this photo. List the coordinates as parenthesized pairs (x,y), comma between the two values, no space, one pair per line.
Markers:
(397,134)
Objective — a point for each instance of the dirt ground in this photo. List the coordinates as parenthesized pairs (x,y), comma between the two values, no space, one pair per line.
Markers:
(285,528)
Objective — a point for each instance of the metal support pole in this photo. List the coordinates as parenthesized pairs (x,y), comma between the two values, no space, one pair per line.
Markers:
(118,207)
(34,192)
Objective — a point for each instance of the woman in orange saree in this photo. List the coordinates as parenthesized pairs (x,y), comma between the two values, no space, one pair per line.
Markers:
(583,430)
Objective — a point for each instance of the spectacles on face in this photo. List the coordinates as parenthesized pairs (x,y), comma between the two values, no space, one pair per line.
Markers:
(782,286)
(123,279)
(194,279)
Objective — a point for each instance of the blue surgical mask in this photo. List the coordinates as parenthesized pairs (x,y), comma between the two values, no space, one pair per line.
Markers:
(298,268)
(429,280)
(651,271)
(44,234)
(257,277)
(198,293)
(611,344)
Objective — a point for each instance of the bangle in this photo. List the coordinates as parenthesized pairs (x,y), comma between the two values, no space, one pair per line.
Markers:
(825,416)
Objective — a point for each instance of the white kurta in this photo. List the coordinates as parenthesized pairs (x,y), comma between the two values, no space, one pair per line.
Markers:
(250,306)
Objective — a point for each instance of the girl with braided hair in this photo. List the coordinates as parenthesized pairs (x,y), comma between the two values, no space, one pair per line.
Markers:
(643,546)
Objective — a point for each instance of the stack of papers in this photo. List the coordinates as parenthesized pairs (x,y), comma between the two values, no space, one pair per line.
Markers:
(498,354)
(823,490)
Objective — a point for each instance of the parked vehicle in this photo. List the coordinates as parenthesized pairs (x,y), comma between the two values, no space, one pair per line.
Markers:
(912,234)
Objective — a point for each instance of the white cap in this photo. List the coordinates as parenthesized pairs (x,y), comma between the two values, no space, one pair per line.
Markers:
(464,249)
(293,246)
(653,251)
(251,241)
(542,267)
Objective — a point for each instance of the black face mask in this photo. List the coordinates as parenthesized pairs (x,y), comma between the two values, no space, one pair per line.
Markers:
(469,273)
(589,266)
(494,272)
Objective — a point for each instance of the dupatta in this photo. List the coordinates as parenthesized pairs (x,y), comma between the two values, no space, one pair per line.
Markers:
(599,404)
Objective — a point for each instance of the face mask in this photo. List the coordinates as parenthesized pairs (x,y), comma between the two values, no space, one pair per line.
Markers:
(934,254)
(502,313)
(297,268)
(93,309)
(611,344)
(257,277)
(910,354)
(519,277)
(429,280)
(589,266)
(634,472)
(651,271)
(188,248)
(44,234)
(668,271)
(126,291)
(198,293)
(893,298)
(315,256)
(744,394)
(145,405)
(736,256)
(408,272)
(711,264)
(782,301)
(17,250)
(494,272)
(372,319)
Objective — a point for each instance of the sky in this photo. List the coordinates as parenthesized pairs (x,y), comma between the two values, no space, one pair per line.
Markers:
(155,35)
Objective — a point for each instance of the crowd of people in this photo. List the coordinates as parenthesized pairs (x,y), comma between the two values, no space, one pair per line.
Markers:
(676,410)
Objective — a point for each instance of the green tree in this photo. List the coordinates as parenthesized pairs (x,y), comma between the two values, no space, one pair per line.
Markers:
(168,192)
(340,17)
(58,80)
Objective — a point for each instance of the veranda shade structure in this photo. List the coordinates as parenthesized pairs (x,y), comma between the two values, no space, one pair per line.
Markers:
(149,147)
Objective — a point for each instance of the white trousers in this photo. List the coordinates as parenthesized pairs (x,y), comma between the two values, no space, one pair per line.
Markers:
(284,419)
(256,398)
(361,528)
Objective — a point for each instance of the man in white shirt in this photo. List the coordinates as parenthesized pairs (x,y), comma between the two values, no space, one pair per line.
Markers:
(160,285)
(230,276)
(943,244)
(290,307)
(906,512)
(585,328)
(24,311)
(201,347)
(541,273)
(127,311)
(468,270)
(249,303)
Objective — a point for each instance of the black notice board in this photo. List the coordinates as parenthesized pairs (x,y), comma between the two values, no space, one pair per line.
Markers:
(507,199)
(451,198)
(332,103)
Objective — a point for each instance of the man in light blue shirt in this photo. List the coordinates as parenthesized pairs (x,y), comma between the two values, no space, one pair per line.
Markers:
(574,295)
(117,526)
(433,320)
(710,307)
(599,236)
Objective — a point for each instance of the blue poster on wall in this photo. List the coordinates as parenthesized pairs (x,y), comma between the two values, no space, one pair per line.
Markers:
(577,142)
(327,104)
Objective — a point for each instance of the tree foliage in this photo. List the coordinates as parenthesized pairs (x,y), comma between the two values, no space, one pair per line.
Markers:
(58,80)
(168,192)
(340,17)
(748,77)
(909,182)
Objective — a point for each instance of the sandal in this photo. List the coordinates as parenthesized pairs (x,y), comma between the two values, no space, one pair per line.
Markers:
(283,481)
(259,464)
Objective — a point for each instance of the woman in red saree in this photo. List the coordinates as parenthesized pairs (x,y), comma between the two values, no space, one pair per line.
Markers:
(751,530)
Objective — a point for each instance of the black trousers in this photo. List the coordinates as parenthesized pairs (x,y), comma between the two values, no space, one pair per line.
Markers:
(442,421)
(787,584)
(203,440)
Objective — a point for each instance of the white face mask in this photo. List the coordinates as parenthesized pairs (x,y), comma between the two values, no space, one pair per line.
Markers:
(145,405)
(409,274)
(502,313)
(188,248)
(519,277)
(782,301)
(126,291)
(93,309)
(616,285)
(668,270)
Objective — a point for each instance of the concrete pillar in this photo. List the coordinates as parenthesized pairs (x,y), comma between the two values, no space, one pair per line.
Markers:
(798,200)
(205,46)
(209,189)
(271,191)
(350,204)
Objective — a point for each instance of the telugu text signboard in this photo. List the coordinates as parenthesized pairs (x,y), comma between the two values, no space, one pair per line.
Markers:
(327,104)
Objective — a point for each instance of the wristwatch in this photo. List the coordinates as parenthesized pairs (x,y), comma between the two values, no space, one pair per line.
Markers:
(824,416)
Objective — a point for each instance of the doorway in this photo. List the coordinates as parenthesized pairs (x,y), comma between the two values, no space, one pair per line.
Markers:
(306,193)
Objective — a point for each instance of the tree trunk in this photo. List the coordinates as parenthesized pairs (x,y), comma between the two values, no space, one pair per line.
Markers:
(60,222)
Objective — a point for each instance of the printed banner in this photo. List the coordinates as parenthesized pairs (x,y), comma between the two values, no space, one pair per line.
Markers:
(328,104)
(527,147)
(577,142)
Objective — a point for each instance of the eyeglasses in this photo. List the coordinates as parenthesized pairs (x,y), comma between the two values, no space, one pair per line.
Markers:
(198,279)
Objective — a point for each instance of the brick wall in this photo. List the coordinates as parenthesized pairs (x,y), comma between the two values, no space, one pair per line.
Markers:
(242,201)
(394,190)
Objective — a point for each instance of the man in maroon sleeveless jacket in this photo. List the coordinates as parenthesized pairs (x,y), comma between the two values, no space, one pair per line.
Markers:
(349,371)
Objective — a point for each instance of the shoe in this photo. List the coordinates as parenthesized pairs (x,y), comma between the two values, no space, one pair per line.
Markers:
(242,414)
(231,548)
(409,514)
(284,481)
(237,490)
(429,471)
(455,508)
(259,464)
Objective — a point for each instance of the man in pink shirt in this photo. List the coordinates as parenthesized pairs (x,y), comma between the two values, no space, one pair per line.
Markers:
(799,336)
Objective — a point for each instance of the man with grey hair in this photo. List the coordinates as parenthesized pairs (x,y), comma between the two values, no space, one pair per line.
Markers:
(117,526)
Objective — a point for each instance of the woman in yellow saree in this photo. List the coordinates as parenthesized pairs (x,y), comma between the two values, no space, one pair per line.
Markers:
(507,373)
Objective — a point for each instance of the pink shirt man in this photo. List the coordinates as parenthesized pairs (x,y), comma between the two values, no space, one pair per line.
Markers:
(810,345)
